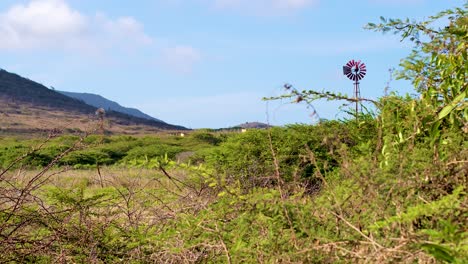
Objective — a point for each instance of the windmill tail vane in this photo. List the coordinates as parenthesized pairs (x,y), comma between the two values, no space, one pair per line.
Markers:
(355,71)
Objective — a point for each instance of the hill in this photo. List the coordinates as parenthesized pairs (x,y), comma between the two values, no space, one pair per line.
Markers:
(252,125)
(19,90)
(29,107)
(101,102)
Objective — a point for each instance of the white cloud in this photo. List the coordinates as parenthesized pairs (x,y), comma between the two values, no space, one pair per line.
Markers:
(53,25)
(40,23)
(124,28)
(46,24)
(181,58)
(265,6)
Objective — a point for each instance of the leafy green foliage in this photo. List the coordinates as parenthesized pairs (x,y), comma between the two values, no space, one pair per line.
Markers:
(437,66)
(248,158)
(388,187)
(104,151)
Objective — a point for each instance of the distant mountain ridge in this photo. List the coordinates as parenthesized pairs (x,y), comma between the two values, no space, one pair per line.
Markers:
(101,102)
(253,125)
(19,89)
(28,105)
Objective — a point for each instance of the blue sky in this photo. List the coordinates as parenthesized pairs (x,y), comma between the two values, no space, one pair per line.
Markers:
(206,63)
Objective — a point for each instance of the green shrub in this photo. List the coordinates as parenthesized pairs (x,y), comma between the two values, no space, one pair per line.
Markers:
(248,156)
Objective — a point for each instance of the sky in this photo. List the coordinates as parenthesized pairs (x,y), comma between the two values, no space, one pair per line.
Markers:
(207,63)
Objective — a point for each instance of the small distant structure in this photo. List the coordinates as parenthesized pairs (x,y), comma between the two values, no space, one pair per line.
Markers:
(243,130)
(100,113)
(182,134)
(355,71)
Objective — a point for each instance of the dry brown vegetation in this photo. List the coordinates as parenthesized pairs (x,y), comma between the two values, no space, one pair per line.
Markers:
(28,119)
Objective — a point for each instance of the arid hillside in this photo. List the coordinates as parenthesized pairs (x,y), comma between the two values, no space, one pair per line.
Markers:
(29,107)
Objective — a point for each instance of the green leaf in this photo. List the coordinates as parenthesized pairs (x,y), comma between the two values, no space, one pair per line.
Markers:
(447,109)
(439,252)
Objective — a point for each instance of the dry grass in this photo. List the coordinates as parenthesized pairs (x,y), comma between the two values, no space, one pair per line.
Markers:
(128,200)
(28,119)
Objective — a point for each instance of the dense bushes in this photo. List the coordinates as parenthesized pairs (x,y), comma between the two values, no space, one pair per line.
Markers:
(299,150)
(96,149)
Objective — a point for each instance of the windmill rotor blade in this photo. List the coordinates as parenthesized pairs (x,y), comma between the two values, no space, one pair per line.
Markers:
(355,70)
(346,70)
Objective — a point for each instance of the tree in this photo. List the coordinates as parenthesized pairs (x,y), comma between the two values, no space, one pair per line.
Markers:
(438,65)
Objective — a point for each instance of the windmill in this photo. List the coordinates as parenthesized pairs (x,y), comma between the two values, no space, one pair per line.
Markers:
(355,71)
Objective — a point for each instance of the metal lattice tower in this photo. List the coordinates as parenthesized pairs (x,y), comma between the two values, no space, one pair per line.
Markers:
(355,71)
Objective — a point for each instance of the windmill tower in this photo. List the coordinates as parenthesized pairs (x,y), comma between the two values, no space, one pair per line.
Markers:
(355,71)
